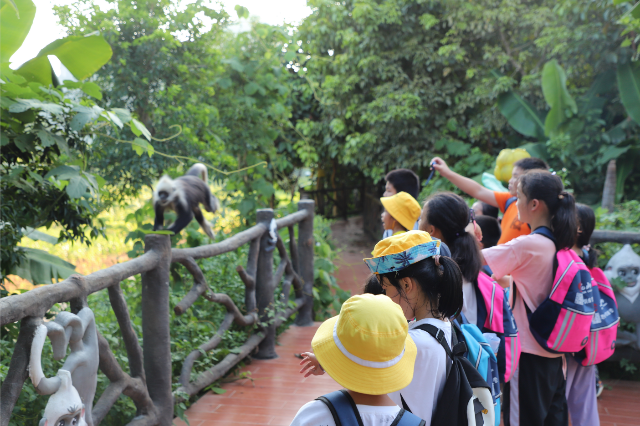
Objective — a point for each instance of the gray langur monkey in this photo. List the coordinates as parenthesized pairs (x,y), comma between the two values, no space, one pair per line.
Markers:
(184,196)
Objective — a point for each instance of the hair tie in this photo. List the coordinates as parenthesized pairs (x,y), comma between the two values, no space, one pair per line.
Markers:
(561,195)
(436,258)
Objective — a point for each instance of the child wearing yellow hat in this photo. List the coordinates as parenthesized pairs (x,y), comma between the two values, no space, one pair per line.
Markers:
(366,349)
(401,211)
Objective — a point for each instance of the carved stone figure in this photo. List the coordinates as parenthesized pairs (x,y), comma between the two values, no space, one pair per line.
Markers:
(625,265)
(71,402)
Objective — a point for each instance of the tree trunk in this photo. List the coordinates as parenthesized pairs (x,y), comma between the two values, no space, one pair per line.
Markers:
(609,191)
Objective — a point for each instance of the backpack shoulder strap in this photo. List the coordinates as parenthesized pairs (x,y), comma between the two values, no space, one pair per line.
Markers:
(343,408)
(406,418)
(510,201)
(437,334)
(543,230)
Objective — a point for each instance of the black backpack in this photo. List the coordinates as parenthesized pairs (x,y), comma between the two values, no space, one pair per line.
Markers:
(345,412)
(465,391)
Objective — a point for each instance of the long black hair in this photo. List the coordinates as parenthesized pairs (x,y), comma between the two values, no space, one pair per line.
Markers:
(547,187)
(442,285)
(450,214)
(587,222)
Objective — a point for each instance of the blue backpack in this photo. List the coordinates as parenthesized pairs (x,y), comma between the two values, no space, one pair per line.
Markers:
(480,354)
(345,413)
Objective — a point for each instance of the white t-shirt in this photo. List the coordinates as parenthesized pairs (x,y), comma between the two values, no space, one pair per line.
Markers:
(316,413)
(470,303)
(430,371)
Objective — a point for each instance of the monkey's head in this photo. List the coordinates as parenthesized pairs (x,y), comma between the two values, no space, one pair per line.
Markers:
(65,407)
(164,191)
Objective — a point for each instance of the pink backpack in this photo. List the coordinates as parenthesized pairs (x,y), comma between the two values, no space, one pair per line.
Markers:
(499,319)
(602,338)
(562,322)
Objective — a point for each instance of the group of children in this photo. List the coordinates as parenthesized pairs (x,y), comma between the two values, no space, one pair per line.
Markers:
(444,265)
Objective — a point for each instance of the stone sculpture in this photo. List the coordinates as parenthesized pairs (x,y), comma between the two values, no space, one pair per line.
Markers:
(74,386)
(625,265)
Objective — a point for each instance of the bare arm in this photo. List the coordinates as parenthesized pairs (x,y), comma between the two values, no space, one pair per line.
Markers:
(470,186)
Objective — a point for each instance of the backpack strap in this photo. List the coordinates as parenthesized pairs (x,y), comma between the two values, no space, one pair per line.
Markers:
(405,418)
(543,230)
(343,408)
(510,201)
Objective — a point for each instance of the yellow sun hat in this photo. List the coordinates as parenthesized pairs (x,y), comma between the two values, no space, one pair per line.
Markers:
(399,251)
(403,208)
(367,347)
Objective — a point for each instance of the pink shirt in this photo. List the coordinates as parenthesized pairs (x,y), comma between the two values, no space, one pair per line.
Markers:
(529,260)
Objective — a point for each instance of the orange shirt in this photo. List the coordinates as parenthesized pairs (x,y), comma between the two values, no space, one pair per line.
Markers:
(511,226)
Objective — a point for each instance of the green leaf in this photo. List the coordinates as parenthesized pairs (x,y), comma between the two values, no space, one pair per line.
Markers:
(63,172)
(521,115)
(290,56)
(40,267)
(162,232)
(92,89)
(140,129)
(235,64)
(82,56)
(215,390)
(554,89)
(78,186)
(16,18)
(36,235)
(21,105)
(242,11)
(48,138)
(251,88)
(140,146)
(490,181)
(536,149)
(85,114)
(624,166)
(629,88)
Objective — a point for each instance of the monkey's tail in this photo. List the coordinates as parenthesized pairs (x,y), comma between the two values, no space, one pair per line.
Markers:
(198,170)
(214,204)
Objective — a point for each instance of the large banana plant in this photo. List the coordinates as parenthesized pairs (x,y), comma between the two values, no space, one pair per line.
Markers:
(566,115)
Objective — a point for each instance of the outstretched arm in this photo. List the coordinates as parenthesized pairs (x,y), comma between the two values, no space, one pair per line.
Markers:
(470,186)
(311,365)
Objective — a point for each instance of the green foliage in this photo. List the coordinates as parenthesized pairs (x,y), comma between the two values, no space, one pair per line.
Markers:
(45,138)
(625,217)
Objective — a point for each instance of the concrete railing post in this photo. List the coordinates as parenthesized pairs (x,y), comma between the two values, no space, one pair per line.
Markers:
(156,338)
(265,286)
(305,255)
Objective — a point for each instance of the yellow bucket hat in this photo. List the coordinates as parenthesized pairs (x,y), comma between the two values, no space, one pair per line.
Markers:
(367,348)
(399,251)
(403,208)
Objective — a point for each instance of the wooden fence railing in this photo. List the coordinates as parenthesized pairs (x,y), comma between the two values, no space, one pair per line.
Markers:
(149,380)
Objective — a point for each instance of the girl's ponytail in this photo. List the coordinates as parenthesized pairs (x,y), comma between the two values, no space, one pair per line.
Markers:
(451,296)
(544,186)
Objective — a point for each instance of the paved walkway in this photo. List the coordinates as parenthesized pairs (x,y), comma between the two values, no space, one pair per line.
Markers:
(277,390)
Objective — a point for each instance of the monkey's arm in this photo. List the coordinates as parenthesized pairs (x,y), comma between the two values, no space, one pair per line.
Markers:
(185,215)
(157,225)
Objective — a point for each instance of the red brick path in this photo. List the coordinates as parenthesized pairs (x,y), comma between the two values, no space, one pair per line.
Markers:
(278,390)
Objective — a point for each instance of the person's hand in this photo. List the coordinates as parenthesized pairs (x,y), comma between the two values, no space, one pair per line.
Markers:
(440,165)
(310,365)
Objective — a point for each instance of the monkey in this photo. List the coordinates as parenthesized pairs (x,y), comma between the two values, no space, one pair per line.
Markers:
(184,196)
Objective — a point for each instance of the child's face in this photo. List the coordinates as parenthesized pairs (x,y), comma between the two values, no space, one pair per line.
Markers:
(389,190)
(524,214)
(387,220)
(403,300)
(513,182)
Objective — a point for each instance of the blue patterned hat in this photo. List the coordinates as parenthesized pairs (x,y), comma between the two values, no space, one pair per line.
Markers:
(399,251)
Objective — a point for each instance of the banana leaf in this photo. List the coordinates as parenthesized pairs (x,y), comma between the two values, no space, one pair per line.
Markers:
(40,267)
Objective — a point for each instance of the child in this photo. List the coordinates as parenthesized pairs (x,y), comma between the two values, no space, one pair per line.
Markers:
(368,350)
(491,231)
(484,209)
(401,211)
(536,393)
(372,286)
(428,288)
(401,180)
(581,390)
(445,216)
(512,227)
